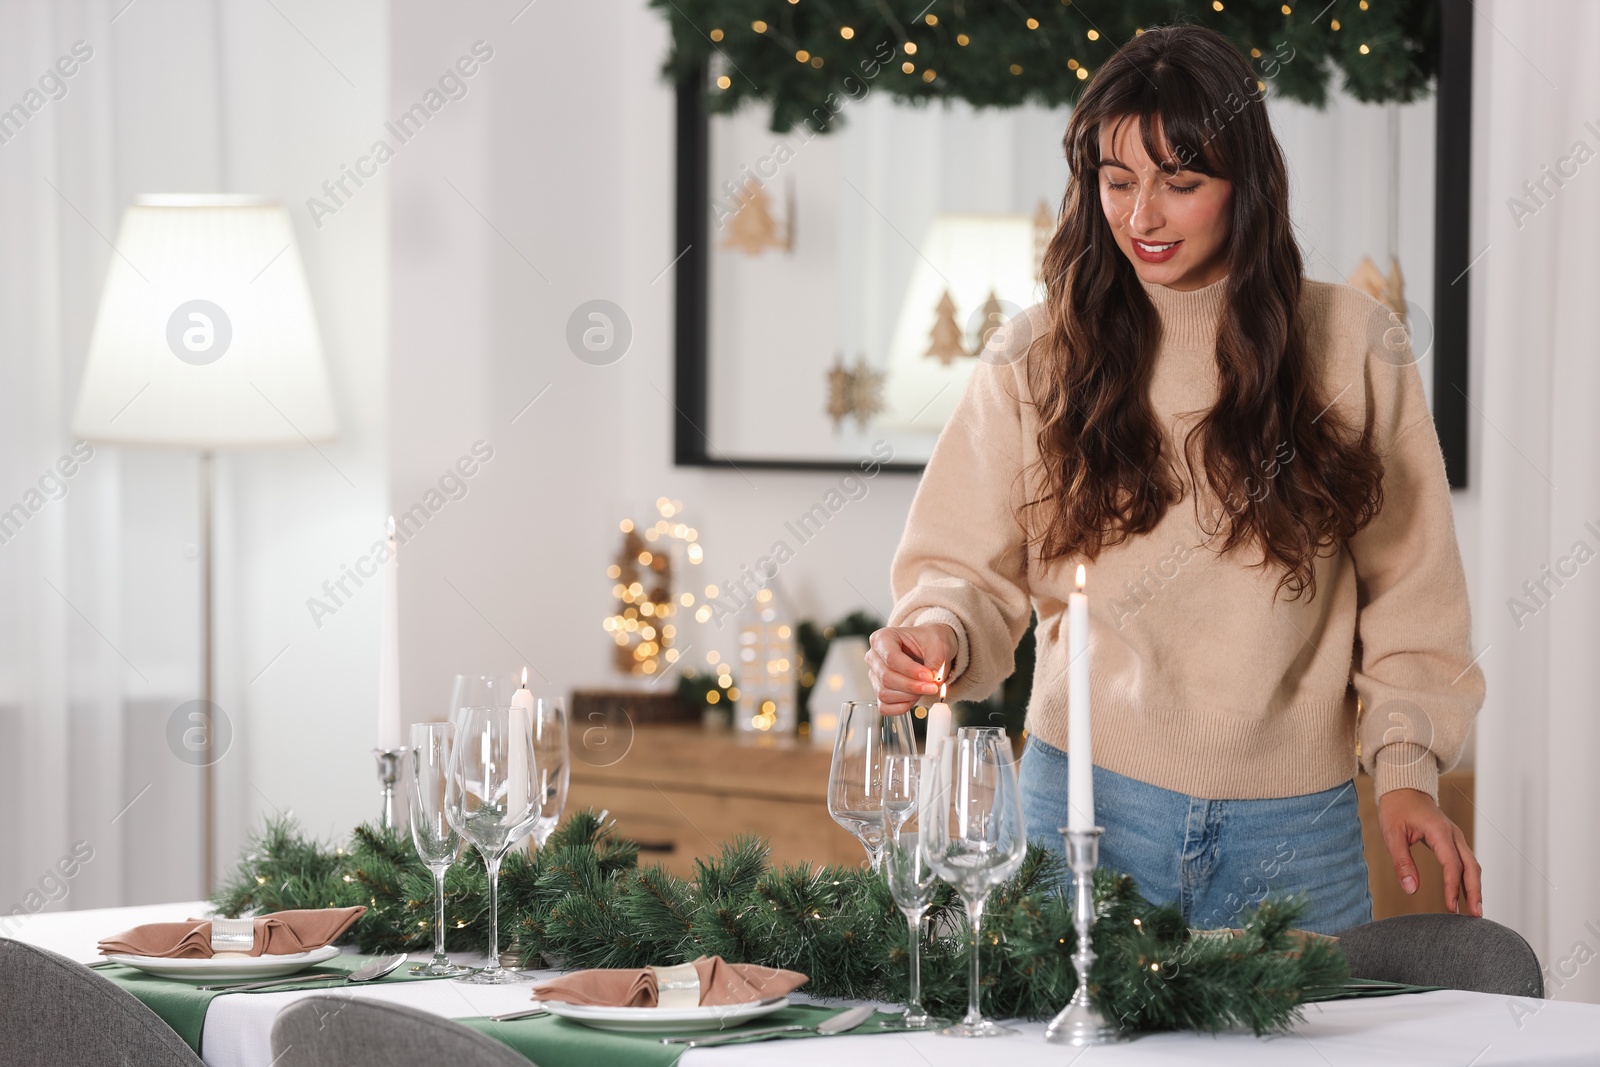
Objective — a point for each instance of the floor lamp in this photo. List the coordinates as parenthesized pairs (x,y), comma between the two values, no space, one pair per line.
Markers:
(205,339)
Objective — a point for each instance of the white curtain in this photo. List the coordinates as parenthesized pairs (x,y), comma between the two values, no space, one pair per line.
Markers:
(99,570)
(62,647)
(1536,475)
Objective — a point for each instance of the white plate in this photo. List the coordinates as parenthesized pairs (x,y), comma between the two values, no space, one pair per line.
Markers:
(240,968)
(662,1020)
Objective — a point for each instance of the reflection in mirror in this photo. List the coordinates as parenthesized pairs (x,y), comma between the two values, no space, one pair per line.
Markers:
(853,276)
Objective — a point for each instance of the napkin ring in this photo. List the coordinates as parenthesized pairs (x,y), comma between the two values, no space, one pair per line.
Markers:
(677,987)
(233,935)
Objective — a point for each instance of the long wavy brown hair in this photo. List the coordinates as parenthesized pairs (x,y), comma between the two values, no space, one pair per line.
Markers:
(1101,476)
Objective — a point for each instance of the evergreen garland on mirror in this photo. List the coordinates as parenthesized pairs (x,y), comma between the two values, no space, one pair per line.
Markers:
(807,60)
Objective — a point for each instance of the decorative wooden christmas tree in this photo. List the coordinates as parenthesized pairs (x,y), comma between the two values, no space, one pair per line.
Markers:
(641,624)
(1044,228)
(991,317)
(947,346)
(752,229)
(644,599)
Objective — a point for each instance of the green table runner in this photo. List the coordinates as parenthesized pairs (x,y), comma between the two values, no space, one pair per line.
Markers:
(547,1040)
(552,1042)
(182,1004)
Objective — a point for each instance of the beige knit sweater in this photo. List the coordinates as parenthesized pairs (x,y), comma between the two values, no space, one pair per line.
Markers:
(1200,682)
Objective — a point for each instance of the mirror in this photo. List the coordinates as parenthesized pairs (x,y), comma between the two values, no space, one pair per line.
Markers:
(835,288)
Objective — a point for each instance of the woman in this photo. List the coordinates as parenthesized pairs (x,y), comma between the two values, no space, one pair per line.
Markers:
(1245,461)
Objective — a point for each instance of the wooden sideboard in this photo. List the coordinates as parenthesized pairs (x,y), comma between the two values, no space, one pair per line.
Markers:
(680,791)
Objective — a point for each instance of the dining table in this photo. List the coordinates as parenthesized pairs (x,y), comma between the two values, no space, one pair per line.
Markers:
(1444,1028)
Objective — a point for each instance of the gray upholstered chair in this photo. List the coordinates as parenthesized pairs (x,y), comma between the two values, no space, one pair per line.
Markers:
(333,1031)
(53,1010)
(1454,951)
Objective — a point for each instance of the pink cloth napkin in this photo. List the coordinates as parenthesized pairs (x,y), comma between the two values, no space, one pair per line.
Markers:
(276,934)
(721,982)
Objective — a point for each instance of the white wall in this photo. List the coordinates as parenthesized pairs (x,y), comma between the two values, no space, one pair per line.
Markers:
(298,111)
(565,144)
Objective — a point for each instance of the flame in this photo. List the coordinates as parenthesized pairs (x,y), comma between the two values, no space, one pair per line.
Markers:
(389,526)
(943,688)
(524,677)
(1082,574)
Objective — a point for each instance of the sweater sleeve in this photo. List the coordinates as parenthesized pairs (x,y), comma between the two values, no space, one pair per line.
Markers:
(963,557)
(1415,672)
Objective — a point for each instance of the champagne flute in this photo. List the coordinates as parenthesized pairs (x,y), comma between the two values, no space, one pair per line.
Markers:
(905,865)
(974,838)
(492,802)
(438,843)
(855,780)
(549,720)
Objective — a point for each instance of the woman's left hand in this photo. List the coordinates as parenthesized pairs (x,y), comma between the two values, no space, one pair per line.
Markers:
(1407,816)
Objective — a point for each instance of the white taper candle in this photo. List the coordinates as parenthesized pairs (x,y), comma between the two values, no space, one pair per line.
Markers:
(389,648)
(1080,751)
(517,769)
(940,730)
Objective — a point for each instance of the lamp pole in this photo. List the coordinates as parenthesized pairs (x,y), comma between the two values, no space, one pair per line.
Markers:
(208,777)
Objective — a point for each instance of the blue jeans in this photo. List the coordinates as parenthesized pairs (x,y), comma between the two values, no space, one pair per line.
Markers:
(1213,859)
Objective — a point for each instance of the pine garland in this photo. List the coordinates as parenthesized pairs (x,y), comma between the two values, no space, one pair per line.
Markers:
(584,901)
(793,55)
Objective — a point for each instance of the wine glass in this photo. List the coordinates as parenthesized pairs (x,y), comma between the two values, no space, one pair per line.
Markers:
(855,780)
(553,770)
(905,865)
(494,690)
(493,801)
(973,835)
(438,843)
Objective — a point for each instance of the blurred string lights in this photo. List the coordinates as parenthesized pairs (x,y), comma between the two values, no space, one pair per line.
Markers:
(641,623)
(803,57)
(645,629)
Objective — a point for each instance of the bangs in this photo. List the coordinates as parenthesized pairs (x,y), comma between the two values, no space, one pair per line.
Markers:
(1178,136)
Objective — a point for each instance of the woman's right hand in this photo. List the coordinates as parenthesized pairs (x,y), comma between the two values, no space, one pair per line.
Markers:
(903,662)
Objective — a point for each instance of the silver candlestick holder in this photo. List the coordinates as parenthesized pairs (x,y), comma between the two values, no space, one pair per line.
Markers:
(389,763)
(1081,1022)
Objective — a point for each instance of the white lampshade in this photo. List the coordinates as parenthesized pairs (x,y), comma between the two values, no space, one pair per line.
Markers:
(970,257)
(205,336)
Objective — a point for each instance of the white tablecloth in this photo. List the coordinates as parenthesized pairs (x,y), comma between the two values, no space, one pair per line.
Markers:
(1445,1029)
